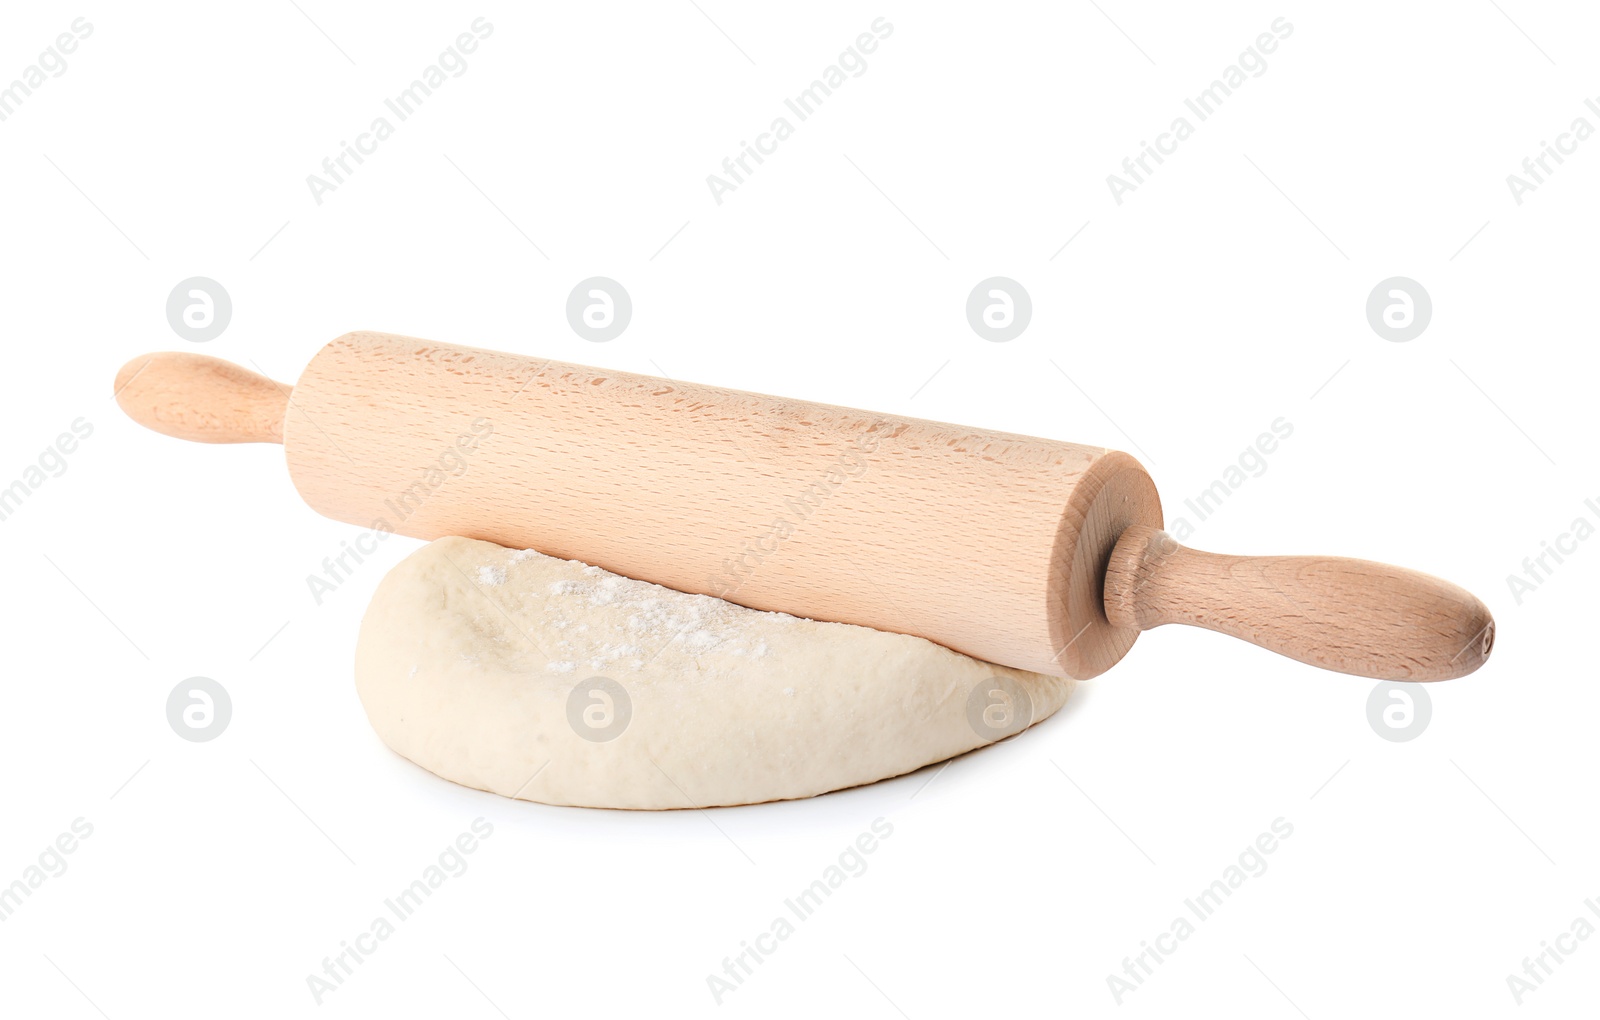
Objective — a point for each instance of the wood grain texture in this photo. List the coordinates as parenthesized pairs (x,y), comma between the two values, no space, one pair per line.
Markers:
(990,543)
(201,399)
(1348,615)
(1032,553)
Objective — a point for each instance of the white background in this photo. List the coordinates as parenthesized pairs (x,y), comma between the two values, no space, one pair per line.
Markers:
(1227,291)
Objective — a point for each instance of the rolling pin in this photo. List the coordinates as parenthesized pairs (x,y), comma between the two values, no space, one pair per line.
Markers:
(1043,555)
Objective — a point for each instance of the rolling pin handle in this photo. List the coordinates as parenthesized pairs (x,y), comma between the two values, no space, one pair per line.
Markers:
(1347,615)
(202,399)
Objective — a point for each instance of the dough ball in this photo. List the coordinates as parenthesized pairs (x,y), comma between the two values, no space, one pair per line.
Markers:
(554,681)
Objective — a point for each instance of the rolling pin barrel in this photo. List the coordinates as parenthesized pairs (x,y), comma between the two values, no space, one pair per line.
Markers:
(969,538)
(1032,553)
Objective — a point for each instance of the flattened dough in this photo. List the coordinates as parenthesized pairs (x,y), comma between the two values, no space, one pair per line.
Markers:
(473,662)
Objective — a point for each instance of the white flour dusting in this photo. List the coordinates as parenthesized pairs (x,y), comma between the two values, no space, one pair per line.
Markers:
(639,619)
(491,575)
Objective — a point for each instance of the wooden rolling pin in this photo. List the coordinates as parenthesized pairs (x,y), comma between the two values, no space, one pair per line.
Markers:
(1033,553)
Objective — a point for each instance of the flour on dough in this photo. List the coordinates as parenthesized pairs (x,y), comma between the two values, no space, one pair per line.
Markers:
(554,681)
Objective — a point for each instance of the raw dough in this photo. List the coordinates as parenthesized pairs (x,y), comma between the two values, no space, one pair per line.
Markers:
(476,662)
